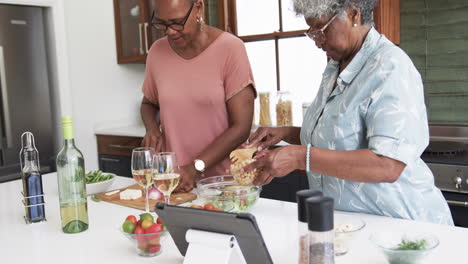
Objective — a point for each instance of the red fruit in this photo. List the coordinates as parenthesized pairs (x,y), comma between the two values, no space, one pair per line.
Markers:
(132,218)
(138,230)
(154,248)
(155,228)
(209,206)
(160,221)
(138,223)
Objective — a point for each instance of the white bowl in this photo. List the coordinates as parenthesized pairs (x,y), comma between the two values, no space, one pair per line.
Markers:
(100,187)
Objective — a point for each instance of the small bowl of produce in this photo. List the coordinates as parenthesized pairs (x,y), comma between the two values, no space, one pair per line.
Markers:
(405,248)
(146,234)
(346,228)
(98,181)
(225,193)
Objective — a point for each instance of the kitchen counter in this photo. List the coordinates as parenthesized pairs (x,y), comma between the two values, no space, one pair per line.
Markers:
(103,243)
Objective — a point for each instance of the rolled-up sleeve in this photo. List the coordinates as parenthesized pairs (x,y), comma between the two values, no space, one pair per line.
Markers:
(396,118)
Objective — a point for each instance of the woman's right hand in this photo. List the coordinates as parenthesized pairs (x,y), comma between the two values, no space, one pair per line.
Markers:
(264,137)
(154,138)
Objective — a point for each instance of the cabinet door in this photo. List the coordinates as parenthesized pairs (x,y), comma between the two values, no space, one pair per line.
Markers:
(129,30)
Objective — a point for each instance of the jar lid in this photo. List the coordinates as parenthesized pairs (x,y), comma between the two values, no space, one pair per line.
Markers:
(301,197)
(320,213)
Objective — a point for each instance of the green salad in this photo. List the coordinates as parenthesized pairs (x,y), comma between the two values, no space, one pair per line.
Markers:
(412,245)
(234,199)
(97,176)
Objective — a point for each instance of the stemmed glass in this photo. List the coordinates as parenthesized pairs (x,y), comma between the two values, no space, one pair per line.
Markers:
(142,169)
(166,173)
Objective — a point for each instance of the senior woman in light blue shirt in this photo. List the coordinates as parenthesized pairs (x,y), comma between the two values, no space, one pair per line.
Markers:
(367,128)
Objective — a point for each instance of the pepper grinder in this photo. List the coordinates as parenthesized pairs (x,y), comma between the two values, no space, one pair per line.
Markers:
(303,230)
(32,180)
(321,233)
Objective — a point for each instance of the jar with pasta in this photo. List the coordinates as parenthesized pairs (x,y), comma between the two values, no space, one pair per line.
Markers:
(284,116)
(265,118)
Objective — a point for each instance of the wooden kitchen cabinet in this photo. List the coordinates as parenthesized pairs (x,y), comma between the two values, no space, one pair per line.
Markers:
(135,35)
(387,19)
(115,152)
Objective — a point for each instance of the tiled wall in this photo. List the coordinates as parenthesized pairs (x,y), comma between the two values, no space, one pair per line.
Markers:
(434,33)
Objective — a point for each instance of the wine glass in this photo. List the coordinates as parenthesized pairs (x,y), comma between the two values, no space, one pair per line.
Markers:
(142,169)
(166,173)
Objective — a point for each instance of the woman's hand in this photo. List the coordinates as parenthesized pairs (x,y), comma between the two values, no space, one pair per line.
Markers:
(188,178)
(154,138)
(275,163)
(264,137)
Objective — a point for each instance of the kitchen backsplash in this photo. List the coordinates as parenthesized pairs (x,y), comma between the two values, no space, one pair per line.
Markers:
(434,33)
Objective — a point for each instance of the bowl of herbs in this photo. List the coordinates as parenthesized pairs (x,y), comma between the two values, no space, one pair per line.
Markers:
(98,181)
(405,248)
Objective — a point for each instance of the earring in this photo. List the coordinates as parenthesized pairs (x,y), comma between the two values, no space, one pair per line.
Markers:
(198,20)
(354,25)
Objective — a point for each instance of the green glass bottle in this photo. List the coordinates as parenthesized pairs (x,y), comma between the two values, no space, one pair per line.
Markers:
(71,183)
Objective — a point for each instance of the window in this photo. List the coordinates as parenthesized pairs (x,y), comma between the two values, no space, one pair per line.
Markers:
(282,58)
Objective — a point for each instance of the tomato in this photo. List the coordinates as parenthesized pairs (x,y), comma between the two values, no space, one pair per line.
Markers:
(138,230)
(155,228)
(147,216)
(146,223)
(196,206)
(128,226)
(138,223)
(217,209)
(131,218)
(154,248)
(160,221)
(209,206)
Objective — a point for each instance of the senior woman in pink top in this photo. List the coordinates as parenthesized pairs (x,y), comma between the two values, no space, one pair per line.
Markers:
(199,79)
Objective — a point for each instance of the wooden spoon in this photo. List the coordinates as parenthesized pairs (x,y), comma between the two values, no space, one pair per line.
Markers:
(242,154)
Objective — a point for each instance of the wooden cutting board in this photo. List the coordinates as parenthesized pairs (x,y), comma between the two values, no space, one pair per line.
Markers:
(176,198)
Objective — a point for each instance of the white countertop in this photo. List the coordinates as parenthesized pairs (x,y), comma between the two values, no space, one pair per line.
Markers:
(103,243)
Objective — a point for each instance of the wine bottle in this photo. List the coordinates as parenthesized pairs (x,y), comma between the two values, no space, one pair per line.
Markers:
(71,183)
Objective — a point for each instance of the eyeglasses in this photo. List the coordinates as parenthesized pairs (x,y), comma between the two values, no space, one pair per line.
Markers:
(178,26)
(319,34)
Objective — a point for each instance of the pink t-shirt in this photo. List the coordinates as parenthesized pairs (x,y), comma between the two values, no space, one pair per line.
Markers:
(192,94)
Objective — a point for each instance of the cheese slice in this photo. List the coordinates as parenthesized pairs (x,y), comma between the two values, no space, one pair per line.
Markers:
(130,194)
(112,192)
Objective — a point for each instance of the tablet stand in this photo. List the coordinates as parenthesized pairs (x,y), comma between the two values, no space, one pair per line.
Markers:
(212,248)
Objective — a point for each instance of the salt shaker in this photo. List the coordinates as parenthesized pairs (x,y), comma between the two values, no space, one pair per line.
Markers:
(321,233)
(301,197)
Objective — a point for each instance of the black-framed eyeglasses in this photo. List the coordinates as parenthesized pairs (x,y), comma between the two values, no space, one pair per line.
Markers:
(177,26)
(319,34)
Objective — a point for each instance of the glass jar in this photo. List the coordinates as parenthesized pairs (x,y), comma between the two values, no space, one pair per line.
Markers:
(265,118)
(284,107)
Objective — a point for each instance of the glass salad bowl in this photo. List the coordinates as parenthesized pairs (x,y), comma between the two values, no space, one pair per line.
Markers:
(346,227)
(225,193)
(405,248)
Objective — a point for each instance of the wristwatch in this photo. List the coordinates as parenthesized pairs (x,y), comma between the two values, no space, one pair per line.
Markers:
(199,165)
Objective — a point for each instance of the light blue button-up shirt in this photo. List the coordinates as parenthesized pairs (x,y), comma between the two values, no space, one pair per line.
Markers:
(378,104)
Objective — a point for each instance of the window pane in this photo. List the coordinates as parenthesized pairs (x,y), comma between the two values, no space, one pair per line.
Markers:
(291,21)
(257,17)
(262,59)
(301,68)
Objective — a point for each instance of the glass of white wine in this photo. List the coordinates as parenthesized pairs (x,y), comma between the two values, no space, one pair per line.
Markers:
(142,169)
(166,173)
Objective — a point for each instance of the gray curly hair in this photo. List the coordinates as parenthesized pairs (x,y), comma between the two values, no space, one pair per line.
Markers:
(323,8)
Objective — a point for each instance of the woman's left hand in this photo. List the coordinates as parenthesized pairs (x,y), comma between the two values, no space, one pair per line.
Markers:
(273,163)
(188,177)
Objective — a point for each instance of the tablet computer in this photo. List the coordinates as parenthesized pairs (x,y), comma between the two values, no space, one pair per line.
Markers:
(242,225)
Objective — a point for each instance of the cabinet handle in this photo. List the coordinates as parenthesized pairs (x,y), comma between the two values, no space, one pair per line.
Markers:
(146,37)
(111,160)
(141,43)
(457,203)
(120,146)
